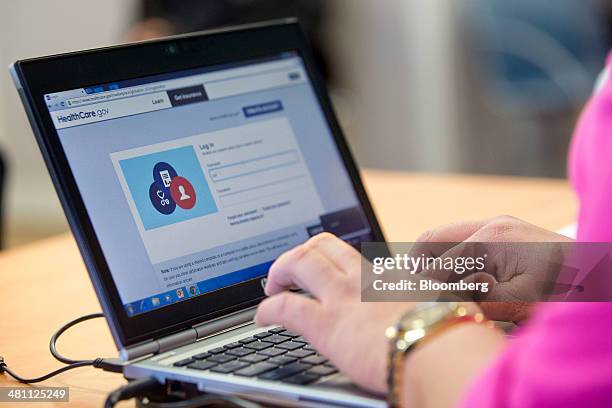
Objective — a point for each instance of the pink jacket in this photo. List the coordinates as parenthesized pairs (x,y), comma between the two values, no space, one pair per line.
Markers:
(563,356)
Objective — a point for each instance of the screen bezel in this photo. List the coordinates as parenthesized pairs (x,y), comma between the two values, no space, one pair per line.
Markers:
(45,75)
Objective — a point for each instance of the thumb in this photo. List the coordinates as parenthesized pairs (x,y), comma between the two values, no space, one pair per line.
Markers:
(487,283)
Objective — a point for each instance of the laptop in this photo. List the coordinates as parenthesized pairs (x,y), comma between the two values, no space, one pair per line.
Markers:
(185,167)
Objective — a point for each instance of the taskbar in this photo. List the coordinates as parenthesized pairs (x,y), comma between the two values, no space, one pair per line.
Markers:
(195,289)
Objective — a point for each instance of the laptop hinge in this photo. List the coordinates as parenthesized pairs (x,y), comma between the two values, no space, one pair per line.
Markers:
(188,336)
(158,345)
(226,322)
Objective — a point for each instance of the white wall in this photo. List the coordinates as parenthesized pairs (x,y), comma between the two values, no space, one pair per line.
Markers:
(31,28)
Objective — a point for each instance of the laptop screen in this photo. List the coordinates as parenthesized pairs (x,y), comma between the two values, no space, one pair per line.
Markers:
(200,179)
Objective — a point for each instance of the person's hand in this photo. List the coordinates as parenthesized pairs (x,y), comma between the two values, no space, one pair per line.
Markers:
(515,272)
(335,321)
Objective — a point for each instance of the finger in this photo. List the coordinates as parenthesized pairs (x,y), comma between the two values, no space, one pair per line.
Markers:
(486,282)
(506,311)
(480,244)
(305,268)
(456,263)
(456,232)
(345,257)
(295,312)
(435,242)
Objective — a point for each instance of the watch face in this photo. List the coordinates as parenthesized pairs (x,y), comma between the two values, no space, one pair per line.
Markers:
(428,314)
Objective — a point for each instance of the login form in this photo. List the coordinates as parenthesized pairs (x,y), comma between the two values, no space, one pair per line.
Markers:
(207,190)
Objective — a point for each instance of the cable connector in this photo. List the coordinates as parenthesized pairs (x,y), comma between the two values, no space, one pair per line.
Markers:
(113,365)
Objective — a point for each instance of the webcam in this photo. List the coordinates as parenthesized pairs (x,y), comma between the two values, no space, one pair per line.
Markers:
(172,49)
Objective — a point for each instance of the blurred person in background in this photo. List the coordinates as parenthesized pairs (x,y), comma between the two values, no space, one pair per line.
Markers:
(160,18)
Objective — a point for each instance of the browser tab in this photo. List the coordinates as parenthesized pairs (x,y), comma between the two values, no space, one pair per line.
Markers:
(187,95)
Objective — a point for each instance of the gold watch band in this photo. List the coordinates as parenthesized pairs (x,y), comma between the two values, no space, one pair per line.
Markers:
(411,331)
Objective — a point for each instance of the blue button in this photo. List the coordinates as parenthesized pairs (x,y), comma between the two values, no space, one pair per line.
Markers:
(262,108)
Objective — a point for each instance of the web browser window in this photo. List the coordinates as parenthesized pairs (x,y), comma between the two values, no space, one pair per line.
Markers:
(198,180)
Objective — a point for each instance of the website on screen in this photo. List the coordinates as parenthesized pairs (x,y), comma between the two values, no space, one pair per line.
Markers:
(199,180)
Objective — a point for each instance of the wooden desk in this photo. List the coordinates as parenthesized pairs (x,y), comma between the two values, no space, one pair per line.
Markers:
(44,285)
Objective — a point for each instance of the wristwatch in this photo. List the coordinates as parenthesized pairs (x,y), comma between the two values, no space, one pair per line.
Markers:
(416,326)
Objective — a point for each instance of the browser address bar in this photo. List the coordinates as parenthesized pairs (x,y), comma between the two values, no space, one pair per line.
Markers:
(106,96)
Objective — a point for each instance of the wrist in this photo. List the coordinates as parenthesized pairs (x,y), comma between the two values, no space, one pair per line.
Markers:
(418,326)
(437,372)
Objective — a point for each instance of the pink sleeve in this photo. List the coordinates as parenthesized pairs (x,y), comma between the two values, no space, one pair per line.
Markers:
(590,163)
(562,359)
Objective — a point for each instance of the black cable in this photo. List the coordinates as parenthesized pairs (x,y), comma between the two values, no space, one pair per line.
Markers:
(61,330)
(140,388)
(132,389)
(5,369)
(201,401)
(148,391)
(106,364)
(143,388)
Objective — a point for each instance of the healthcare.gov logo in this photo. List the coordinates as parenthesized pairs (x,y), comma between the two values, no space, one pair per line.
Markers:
(168,187)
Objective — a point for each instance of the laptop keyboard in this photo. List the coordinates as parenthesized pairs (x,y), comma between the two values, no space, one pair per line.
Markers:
(274,355)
